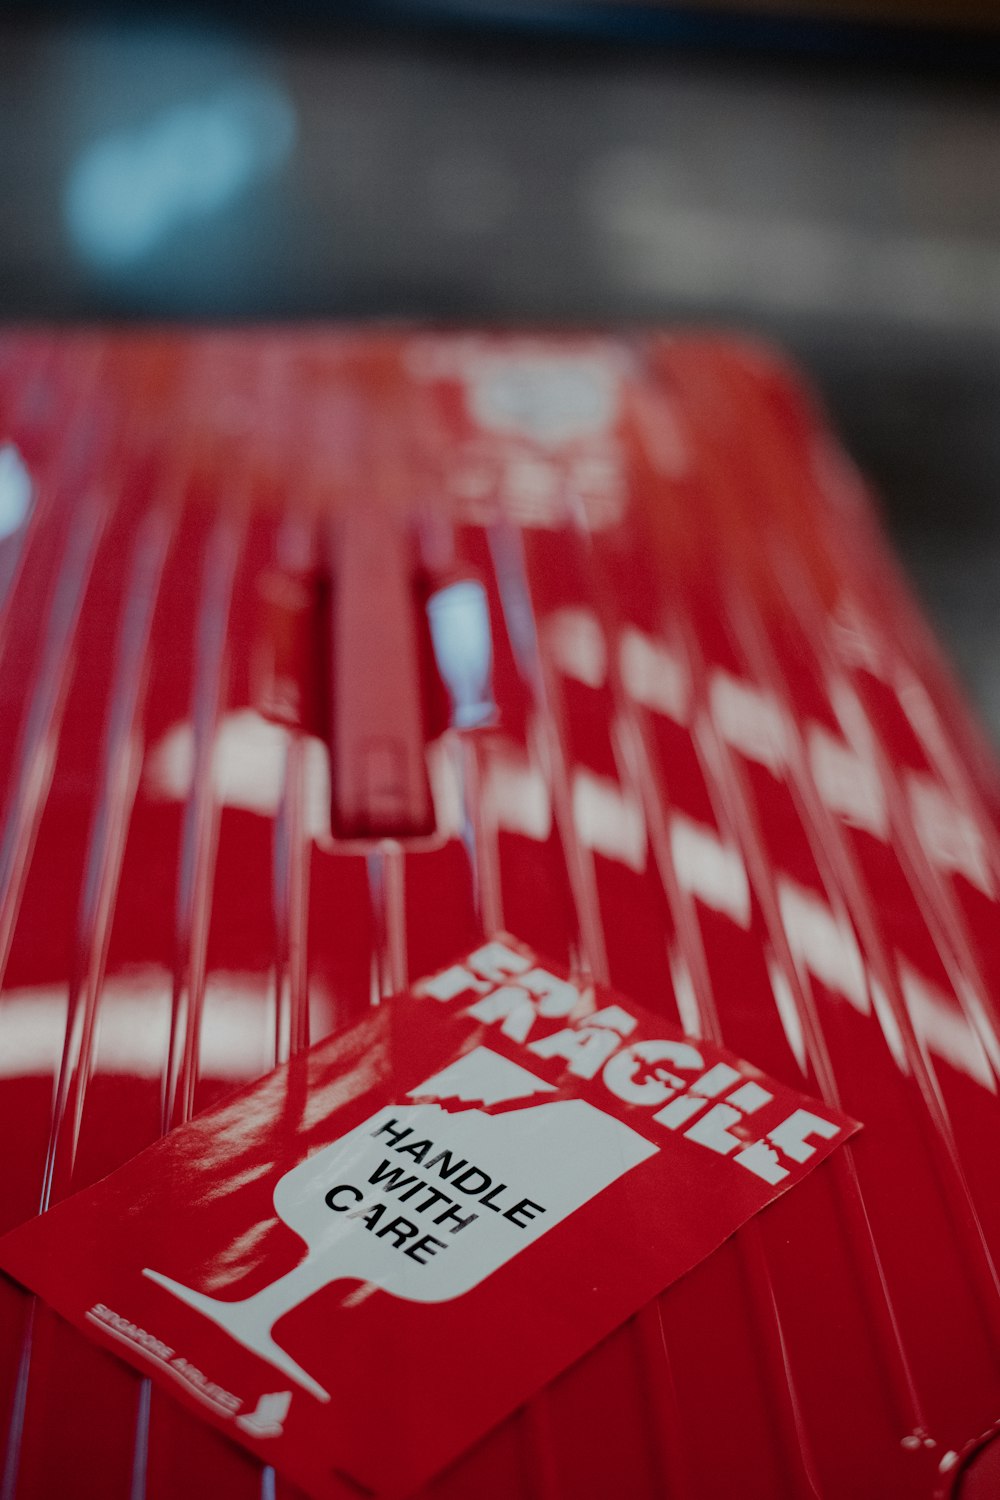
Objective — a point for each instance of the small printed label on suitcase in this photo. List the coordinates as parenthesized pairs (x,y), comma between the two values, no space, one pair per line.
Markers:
(359,1264)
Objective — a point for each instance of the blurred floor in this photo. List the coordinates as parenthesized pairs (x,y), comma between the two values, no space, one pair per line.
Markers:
(850,212)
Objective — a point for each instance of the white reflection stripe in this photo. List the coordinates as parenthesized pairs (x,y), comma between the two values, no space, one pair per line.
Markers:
(236,1034)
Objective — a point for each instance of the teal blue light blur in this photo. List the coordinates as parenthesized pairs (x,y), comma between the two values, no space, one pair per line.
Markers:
(128,190)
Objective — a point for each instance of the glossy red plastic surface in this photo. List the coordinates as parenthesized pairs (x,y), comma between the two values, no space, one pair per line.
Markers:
(728,773)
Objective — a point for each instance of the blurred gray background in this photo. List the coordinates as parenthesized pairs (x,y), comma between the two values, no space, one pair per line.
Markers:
(835,186)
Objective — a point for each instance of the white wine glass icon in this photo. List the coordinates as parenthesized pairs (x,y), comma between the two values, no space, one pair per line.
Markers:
(495,1180)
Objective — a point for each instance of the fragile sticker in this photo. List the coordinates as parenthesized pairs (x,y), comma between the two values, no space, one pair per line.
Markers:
(358,1265)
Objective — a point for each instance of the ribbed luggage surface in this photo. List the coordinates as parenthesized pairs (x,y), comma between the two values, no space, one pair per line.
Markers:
(727,773)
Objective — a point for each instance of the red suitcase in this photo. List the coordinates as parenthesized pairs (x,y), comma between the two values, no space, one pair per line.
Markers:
(328,655)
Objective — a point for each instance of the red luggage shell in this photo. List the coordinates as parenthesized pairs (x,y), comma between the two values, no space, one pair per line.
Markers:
(205,865)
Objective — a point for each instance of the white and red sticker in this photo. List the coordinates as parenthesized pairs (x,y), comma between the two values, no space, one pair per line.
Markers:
(415,1225)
